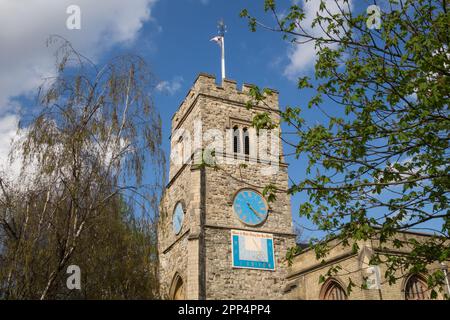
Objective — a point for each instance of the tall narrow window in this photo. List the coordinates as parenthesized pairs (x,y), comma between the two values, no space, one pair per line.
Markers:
(180,150)
(416,288)
(236,139)
(246,142)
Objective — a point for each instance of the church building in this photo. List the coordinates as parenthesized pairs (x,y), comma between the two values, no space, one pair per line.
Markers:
(219,237)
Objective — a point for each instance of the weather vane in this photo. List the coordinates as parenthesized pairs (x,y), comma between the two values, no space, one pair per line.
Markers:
(221,27)
(220,39)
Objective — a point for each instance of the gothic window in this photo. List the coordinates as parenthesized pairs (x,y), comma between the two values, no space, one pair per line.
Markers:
(177,288)
(416,288)
(181,149)
(246,142)
(236,139)
(332,290)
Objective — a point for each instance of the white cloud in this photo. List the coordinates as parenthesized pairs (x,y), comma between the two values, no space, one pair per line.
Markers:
(302,57)
(8,133)
(26,25)
(170,87)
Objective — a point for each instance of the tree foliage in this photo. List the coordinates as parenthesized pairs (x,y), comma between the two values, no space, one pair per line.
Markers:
(379,163)
(80,198)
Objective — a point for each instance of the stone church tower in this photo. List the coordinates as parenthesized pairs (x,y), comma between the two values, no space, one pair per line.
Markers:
(218,237)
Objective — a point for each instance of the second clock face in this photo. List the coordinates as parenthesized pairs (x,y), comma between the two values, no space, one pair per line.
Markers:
(250,207)
(178,217)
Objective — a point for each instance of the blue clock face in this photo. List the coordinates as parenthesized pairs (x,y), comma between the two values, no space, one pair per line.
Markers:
(178,217)
(250,207)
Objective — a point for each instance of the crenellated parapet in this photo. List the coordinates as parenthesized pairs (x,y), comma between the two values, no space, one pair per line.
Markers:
(206,85)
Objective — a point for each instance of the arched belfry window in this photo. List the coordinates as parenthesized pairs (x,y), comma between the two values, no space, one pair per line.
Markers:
(246,142)
(236,139)
(332,290)
(416,288)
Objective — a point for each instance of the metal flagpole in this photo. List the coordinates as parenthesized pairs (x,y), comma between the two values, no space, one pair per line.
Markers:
(220,39)
(223,58)
(222,29)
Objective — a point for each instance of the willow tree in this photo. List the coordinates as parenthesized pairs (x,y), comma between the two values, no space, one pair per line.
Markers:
(84,155)
(379,161)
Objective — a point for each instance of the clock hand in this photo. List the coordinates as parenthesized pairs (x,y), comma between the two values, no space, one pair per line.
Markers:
(254,211)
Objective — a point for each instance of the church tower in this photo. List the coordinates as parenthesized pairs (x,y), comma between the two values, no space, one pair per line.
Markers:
(218,236)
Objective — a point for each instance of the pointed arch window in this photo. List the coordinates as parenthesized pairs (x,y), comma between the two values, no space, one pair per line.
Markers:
(416,288)
(246,139)
(236,139)
(180,143)
(333,290)
(177,291)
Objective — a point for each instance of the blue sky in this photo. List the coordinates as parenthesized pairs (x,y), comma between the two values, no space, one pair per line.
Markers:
(183,50)
(171,35)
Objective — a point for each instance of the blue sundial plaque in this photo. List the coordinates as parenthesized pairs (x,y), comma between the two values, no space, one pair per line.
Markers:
(252,250)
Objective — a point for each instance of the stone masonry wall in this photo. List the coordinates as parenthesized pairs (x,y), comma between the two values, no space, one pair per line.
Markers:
(219,108)
(225,282)
(172,248)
